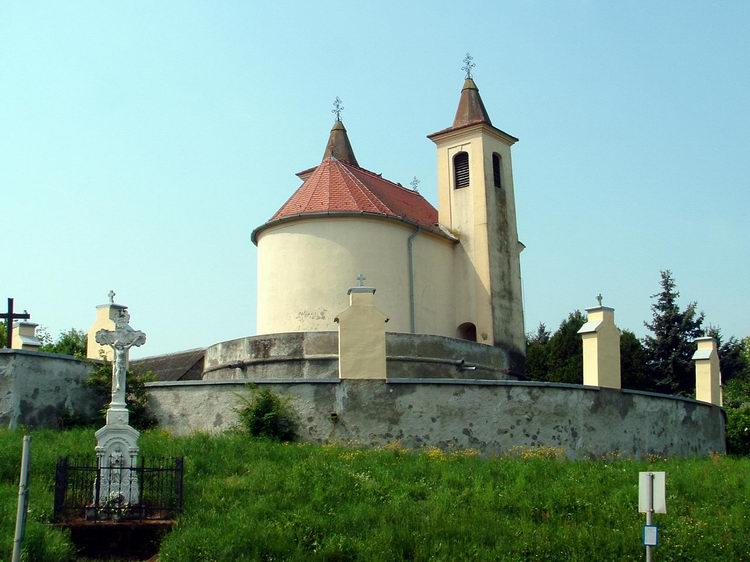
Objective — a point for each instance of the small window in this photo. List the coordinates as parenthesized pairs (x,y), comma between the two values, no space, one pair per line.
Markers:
(461,170)
(497,174)
(467,331)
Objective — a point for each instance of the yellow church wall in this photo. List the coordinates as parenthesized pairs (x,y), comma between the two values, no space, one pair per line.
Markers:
(306,266)
(483,218)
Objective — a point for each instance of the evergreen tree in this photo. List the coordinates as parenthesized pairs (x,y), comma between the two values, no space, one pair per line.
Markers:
(732,362)
(565,351)
(537,352)
(633,362)
(670,347)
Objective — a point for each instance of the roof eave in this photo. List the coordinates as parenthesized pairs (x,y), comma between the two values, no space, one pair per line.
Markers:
(433,229)
(446,133)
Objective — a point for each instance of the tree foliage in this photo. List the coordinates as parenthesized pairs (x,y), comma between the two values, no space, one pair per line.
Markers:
(557,357)
(69,342)
(669,348)
(100,382)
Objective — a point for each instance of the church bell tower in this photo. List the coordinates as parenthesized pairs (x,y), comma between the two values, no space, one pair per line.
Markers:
(477,205)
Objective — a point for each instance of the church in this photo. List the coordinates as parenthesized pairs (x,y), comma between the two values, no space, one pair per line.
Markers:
(452,271)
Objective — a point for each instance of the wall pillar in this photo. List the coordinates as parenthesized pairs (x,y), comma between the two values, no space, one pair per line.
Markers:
(105,320)
(24,336)
(361,337)
(601,348)
(707,373)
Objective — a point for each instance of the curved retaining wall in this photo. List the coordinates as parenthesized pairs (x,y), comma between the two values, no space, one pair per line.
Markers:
(492,416)
(314,355)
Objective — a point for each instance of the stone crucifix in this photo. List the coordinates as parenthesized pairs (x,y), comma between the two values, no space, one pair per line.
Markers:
(121,339)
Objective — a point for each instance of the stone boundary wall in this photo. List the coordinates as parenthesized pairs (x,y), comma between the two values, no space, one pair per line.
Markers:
(491,416)
(37,388)
(314,355)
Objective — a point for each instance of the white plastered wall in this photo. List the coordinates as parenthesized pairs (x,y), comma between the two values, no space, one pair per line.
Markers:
(306,266)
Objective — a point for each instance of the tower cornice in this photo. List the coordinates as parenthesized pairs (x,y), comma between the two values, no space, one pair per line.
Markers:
(457,132)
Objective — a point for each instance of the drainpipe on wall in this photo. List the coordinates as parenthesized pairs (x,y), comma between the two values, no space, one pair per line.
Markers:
(410,252)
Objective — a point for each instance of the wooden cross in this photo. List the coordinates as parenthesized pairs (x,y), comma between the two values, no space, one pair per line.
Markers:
(9,317)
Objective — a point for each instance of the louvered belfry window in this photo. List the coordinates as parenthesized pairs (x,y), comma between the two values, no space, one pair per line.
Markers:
(496,170)
(461,170)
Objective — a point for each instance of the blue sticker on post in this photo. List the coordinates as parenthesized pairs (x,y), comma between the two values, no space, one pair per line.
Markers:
(650,535)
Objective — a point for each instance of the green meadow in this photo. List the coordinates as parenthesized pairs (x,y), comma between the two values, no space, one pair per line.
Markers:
(247,499)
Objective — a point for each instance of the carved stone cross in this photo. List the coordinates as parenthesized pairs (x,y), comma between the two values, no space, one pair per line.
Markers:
(361,278)
(121,339)
(111,296)
(599,297)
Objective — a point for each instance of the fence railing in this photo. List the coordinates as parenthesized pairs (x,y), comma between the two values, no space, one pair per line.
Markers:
(91,490)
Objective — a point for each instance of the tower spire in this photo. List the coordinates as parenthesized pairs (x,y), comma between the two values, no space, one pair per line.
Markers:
(470,106)
(338,145)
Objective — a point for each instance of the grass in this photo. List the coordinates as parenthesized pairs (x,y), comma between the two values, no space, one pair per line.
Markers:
(255,500)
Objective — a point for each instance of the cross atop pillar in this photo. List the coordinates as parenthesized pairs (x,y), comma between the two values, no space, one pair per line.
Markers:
(361,279)
(9,317)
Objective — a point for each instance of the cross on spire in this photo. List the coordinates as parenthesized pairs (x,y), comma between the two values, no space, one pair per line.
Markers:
(337,108)
(468,66)
(415,183)
(9,317)
(361,279)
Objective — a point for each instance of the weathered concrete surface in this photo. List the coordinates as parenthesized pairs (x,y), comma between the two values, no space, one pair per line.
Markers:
(492,416)
(314,355)
(37,388)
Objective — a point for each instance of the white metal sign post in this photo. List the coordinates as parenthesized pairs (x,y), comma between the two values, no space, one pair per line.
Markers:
(652,498)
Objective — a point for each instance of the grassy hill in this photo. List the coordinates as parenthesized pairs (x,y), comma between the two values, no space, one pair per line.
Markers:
(254,500)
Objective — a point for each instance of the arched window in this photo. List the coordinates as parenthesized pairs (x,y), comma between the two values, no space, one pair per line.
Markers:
(461,170)
(467,331)
(497,170)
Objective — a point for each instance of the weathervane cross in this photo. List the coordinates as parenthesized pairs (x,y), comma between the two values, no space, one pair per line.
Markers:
(361,278)
(415,183)
(337,108)
(468,66)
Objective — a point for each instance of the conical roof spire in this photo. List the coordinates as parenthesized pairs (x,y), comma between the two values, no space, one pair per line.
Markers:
(470,106)
(338,145)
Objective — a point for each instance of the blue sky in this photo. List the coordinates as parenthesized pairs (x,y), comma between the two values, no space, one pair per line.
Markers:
(141,142)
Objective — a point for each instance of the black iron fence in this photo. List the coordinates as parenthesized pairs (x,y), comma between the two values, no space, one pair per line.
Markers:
(145,489)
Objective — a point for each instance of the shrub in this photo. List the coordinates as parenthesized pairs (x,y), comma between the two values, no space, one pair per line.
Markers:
(738,431)
(263,413)
(100,382)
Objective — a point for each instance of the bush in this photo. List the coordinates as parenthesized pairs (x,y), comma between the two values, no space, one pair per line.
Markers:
(263,413)
(738,431)
(100,382)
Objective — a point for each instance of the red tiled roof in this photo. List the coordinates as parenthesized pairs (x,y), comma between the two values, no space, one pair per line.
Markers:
(339,187)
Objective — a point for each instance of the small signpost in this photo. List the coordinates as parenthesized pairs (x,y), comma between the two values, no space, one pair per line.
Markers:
(652,498)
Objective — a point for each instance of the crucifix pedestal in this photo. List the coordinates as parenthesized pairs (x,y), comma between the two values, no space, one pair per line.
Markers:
(117,442)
